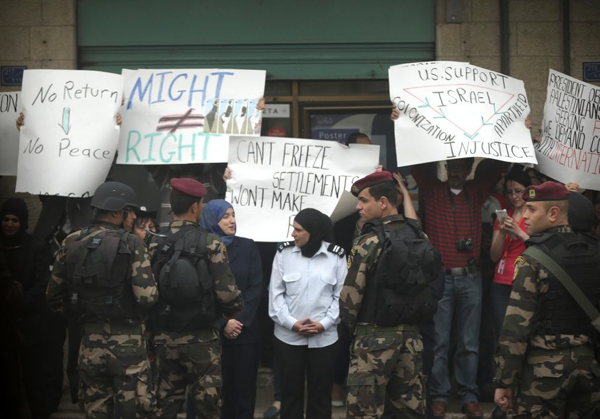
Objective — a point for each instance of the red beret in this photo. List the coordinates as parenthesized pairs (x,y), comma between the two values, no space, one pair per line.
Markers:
(370,180)
(188,186)
(547,191)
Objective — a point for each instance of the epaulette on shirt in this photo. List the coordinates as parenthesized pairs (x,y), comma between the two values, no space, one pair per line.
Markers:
(284,245)
(338,250)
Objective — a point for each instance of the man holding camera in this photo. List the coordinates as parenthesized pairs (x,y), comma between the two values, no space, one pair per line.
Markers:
(452,219)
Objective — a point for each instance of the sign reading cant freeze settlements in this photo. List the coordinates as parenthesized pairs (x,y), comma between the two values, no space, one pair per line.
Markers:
(452,110)
(187,116)
(68,142)
(275,178)
(570,146)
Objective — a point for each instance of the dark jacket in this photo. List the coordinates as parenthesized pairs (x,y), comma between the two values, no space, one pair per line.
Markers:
(245,263)
(28,261)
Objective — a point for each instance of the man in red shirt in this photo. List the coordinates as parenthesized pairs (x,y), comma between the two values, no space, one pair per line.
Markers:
(452,219)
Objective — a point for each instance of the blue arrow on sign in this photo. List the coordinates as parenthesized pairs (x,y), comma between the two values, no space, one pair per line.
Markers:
(66,117)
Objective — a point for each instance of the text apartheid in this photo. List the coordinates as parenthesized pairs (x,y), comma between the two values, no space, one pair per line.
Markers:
(9,135)
(9,102)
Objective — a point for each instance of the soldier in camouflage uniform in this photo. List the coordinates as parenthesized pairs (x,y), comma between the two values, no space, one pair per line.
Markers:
(109,299)
(545,356)
(384,361)
(189,354)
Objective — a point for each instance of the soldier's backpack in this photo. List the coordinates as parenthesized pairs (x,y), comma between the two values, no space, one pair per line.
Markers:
(408,263)
(186,289)
(99,268)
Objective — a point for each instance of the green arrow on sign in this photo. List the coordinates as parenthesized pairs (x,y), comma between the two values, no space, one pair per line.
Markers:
(66,127)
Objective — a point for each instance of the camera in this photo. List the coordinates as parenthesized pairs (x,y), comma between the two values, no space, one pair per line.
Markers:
(465,245)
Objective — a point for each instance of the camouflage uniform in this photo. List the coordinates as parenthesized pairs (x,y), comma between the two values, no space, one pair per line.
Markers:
(383,360)
(552,375)
(194,357)
(113,359)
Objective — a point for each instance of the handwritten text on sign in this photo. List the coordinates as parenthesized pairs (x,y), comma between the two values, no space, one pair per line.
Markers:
(69,139)
(454,110)
(570,147)
(275,178)
(187,116)
(9,135)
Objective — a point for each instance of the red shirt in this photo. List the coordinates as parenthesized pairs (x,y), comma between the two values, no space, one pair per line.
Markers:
(449,217)
(505,267)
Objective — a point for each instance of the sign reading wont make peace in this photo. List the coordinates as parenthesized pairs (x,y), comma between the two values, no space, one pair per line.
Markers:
(451,110)
(274,178)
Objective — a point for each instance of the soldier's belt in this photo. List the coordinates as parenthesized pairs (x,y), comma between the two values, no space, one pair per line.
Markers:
(112,329)
(578,351)
(363,329)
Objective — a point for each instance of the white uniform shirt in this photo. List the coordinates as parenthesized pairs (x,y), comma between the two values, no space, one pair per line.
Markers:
(304,287)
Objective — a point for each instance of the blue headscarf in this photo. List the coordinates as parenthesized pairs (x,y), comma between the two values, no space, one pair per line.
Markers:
(212,214)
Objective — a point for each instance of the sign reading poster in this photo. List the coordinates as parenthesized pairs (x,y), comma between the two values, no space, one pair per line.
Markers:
(570,146)
(275,178)
(187,116)
(451,110)
(69,139)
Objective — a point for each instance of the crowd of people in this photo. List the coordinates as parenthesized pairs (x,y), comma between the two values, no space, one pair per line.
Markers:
(379,312)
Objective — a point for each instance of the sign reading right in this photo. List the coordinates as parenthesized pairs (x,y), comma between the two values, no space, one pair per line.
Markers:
(570,146)
(451,110)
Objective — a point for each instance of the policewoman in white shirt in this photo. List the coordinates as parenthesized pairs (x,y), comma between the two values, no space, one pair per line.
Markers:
(306,281)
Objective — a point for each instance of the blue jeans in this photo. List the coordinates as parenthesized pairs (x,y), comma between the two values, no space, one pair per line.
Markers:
(462,299)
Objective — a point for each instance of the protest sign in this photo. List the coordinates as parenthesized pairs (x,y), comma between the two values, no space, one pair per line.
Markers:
(274,178)
(69,139)
(9,134)
(187,116)
(570,146)
(451,110)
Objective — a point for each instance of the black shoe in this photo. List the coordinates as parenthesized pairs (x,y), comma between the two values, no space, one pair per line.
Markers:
(498,413)
(271,413)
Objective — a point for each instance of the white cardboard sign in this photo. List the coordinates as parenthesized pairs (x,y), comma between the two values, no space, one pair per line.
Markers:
(274,178)
(9,134)
(187,115)
(570,146)
(451,110)
(69,139)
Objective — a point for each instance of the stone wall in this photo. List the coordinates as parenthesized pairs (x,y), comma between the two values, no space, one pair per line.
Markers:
(535,40)
(36,34)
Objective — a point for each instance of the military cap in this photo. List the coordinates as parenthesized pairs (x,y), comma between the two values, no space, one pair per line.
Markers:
(370,180)
(547,191)
(188,186)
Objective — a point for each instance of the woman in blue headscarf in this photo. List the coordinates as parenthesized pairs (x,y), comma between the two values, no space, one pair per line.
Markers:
(240,338)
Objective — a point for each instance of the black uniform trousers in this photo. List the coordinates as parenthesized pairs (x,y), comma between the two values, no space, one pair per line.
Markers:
(317,365)
(239,368)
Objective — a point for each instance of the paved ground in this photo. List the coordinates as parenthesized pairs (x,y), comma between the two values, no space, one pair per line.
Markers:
(264,398)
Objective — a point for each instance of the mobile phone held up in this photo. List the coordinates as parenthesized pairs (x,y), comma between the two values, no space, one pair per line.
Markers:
(501,216)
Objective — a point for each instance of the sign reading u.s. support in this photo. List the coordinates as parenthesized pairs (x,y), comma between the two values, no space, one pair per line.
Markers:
(12,75)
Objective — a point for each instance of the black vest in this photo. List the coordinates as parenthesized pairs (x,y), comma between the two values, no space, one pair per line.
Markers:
(397,290)
(187,299)
(99,272)
(558,312)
